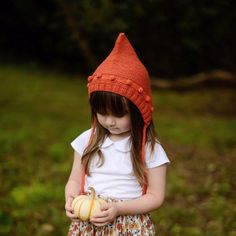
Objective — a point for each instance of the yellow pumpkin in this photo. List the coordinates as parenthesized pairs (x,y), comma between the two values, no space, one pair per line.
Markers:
(86,206)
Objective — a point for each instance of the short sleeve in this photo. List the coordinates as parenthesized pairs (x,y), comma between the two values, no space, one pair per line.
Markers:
(80,143)
(156,158)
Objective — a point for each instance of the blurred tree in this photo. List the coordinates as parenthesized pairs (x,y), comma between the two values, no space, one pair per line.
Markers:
(173,38)
(89,22)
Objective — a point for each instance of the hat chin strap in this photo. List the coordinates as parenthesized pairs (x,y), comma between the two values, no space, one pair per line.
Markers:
(143,153)
(83,168)
(82,182)
(90,140)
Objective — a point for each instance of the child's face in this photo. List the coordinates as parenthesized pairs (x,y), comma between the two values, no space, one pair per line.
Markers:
(115,125)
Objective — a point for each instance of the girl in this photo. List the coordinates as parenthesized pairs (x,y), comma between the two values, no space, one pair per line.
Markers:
(119,156)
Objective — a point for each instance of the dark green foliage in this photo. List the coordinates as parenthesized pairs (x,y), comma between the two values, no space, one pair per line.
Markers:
(173,38)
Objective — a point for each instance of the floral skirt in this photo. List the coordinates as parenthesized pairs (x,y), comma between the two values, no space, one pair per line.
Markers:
(137,225)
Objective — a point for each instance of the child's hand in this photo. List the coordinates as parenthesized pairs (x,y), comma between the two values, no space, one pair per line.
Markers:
(69,210)
(109,212)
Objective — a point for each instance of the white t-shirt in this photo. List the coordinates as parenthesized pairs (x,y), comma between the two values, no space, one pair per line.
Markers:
(115,177)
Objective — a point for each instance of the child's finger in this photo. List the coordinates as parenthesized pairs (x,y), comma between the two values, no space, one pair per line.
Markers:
(99,221)
(68,208)
(69,201)
(100,224)
(104,206)
(101,214)
(71,215)
(68,204)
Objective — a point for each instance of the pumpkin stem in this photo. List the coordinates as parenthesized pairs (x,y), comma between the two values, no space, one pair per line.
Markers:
(93,193)
(92,199)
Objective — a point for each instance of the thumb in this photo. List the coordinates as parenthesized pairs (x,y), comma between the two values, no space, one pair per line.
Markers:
(68,203)
(104,206)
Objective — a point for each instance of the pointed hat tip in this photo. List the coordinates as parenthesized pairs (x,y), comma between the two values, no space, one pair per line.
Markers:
(121,36)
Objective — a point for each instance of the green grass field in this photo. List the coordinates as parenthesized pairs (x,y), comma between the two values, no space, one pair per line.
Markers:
(43,111)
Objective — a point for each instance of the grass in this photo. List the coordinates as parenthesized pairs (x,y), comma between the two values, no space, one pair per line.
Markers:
(42,111)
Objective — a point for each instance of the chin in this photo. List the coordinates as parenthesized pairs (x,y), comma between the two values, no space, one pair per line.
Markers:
(118,132)
(115,132)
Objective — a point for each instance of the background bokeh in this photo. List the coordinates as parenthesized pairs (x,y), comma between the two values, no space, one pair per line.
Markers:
(47,50)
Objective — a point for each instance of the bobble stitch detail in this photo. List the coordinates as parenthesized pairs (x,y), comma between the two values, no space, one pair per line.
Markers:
(99,76)
(128,82)
(147,99)
(112,78)
(140,90)
(90,78)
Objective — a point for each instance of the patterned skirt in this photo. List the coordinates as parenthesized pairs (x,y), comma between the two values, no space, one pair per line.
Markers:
(136,225)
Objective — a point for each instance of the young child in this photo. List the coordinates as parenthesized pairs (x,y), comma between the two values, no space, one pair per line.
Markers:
(119,156)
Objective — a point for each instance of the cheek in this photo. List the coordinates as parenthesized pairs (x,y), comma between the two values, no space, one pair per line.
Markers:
(100,119)
(126,124)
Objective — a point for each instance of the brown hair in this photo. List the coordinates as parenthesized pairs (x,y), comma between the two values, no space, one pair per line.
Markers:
(117,105)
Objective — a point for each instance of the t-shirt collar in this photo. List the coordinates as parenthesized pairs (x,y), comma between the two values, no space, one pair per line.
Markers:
(123,145)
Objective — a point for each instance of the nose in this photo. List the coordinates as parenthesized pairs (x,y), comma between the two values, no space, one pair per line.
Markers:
(110,121)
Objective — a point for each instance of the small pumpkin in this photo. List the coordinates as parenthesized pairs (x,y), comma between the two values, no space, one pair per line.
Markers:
(86,206)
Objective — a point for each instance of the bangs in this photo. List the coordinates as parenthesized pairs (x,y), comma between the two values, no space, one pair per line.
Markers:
(107,103)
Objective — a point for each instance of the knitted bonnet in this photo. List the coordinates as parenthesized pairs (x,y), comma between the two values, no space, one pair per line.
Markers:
(123,73)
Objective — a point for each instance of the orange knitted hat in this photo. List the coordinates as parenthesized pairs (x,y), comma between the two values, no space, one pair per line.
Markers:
(123,73)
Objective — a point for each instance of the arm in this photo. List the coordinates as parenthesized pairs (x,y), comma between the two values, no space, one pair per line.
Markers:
(72,188)
(150,201)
